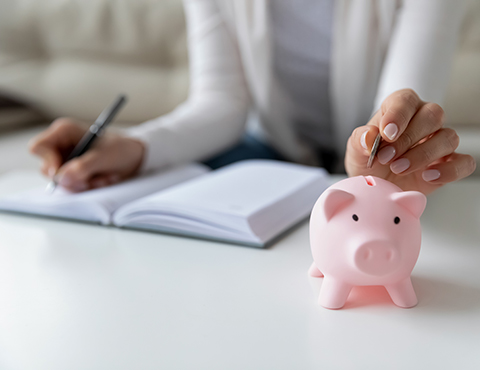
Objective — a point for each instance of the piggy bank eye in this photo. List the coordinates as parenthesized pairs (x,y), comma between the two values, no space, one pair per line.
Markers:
(396,220)
(355,218)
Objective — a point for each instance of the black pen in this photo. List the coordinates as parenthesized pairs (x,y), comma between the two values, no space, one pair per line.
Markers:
(93,133)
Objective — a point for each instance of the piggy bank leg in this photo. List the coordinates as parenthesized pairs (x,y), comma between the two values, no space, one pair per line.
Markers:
(402,293)
(314,271)
(334,293)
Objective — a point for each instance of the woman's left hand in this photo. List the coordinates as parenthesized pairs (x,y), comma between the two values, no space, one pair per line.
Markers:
(417,152)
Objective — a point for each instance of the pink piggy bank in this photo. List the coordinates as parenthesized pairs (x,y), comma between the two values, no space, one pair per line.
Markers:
(366,231)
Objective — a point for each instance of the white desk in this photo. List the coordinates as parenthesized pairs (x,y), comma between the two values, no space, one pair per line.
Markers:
(75,296)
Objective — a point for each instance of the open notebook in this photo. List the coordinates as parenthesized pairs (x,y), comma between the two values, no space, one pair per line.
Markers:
(250,202)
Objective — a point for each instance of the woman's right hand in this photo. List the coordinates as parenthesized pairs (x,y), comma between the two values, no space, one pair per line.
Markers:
(112,157)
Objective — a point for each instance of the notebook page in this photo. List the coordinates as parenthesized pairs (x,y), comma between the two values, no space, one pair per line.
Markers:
(97,205)
(115,196)
(226,197)
(240,189)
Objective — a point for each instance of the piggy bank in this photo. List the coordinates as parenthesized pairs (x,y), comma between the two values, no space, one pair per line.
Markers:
(366,231)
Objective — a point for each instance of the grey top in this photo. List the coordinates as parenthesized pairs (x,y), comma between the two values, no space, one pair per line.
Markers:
(302,34)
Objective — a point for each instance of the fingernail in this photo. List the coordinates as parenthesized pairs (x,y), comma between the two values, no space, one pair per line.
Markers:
(51,172)
(65,181)
(430,175)
(391,131)
(80,187)
(363,140)
(386,154)
(400,165)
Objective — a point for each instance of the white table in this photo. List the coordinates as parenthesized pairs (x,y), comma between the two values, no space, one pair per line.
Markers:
(77,296)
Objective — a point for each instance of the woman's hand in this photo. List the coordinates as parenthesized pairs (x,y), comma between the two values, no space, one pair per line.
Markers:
(417,152)
(111,159)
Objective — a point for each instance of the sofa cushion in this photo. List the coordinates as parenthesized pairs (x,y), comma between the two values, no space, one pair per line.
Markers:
(463,95)
(72,57)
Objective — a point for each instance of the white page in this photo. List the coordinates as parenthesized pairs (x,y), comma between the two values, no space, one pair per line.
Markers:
(228,196)
(97,205)
(240,189)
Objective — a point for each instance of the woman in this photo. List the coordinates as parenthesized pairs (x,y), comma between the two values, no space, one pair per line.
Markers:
(312,71)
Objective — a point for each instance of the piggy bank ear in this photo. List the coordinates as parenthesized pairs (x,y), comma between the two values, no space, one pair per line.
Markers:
(336,200)
(413,201)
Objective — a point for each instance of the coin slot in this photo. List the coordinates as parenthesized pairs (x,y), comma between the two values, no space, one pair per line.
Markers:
(370,180)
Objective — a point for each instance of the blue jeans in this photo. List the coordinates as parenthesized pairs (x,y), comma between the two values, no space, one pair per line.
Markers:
(248,148)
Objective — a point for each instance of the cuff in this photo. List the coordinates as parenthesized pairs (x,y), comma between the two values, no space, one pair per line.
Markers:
(154,157)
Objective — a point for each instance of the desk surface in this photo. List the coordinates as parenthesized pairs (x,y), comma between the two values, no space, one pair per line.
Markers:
(77,296)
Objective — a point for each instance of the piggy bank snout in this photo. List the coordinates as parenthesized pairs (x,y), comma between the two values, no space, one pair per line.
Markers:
(377,258)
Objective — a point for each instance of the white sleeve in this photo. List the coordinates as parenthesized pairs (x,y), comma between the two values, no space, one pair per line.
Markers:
(214,115)
(422,48)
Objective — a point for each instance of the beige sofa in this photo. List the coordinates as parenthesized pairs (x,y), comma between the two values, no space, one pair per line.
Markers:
(71,57)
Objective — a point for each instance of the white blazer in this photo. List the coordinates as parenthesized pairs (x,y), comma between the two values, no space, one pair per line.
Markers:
(379,46)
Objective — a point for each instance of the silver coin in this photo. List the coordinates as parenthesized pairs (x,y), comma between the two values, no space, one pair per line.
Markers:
(376,144)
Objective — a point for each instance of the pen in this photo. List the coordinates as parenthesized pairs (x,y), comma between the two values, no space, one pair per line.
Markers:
(92,134)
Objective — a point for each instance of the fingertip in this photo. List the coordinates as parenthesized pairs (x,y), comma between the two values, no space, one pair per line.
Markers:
(390,132)
(363,140)
(456,167)
(78,187)
(36,148)
(398,109)
(52,171)
(33,146)
(367,138)
(431,174)
(72,174)
(389,128)
(471,164)
(51,162)
(99,182)
(49,170)
(104,180)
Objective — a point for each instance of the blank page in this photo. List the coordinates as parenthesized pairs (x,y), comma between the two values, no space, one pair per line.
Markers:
(240,189)
(228,197)
(97,205)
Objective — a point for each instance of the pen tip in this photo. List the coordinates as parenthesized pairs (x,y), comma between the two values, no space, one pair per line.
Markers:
(50,187)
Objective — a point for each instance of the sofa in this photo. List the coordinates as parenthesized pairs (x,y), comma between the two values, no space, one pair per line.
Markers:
(72,57)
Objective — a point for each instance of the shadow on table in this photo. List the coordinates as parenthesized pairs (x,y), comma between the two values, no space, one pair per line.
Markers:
(454,216)
(434,295)
(442,296)
(360,296)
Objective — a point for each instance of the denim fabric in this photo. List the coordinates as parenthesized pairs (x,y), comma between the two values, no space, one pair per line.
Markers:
(248,148)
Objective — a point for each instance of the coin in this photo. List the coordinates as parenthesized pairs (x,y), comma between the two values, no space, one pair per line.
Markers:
(376,144)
